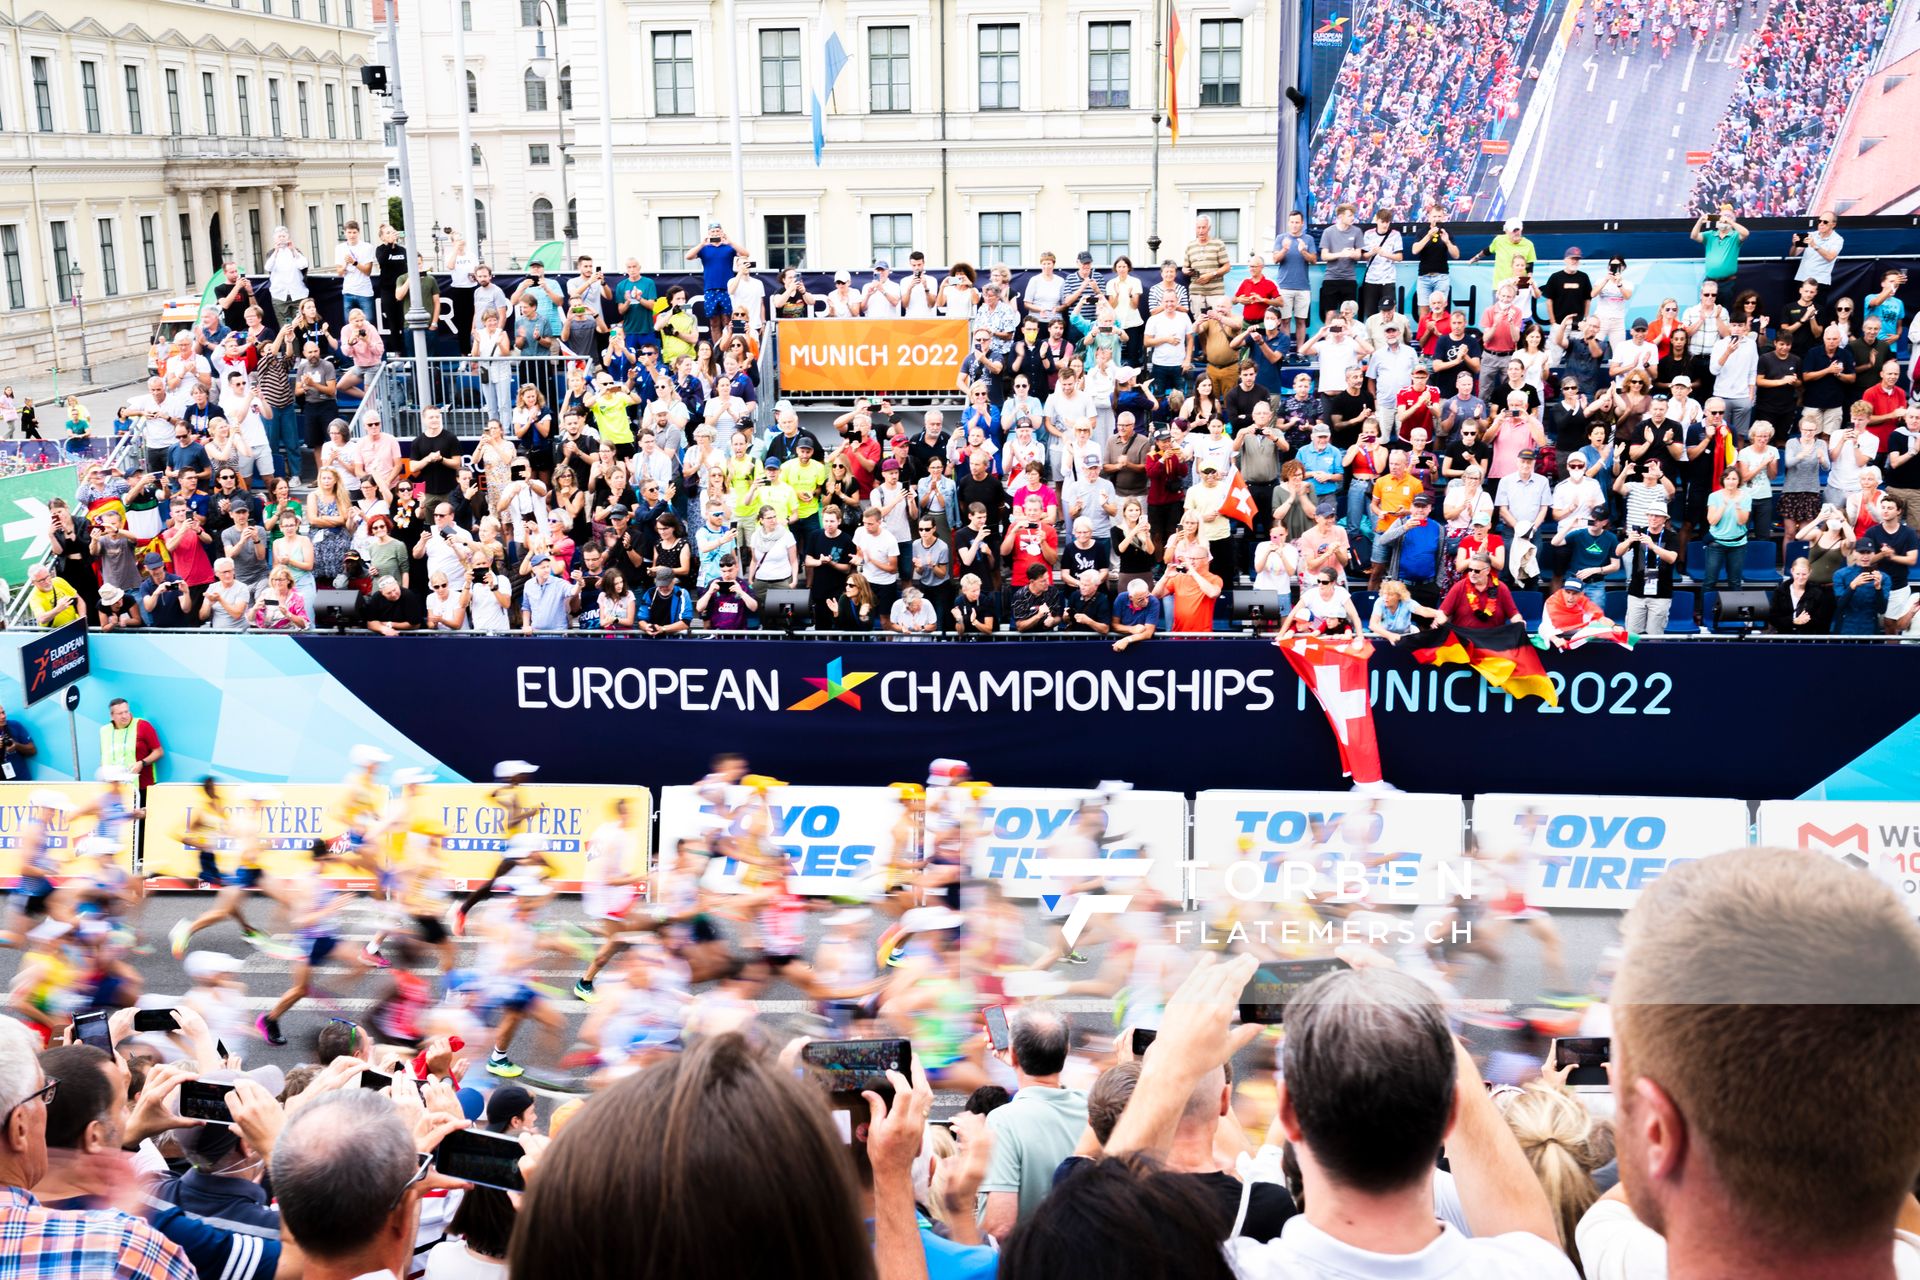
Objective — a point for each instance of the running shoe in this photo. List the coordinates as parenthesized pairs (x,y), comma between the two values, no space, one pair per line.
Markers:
(1074,957)
(179,936)
(584,992)
(457,923)
(371,954)
(269,1030)
(499,1064)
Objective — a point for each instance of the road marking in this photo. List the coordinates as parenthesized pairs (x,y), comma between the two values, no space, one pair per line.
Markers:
(1686,86)
(1612,107)
(1664,175)
(1674,134)
(1593,71)
(1600,161)
(1624,63)
(1680,107)
(1669,153)
(1647,78)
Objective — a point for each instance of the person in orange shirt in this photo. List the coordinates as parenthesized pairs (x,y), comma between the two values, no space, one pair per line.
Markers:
(1194,589)
(1392,499)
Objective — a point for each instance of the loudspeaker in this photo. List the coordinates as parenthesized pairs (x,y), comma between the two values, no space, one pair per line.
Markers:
(1741,610)
(786,609)
(374,76)
(334,609)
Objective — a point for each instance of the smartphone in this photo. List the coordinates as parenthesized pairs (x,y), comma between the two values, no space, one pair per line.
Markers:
(1142,1037)
(375,1080)
(1273,984)
(997,1034)
(91,1028)
(853,1066)
(1588,1056)
(484,1159)
(201,1100)
(145,1020)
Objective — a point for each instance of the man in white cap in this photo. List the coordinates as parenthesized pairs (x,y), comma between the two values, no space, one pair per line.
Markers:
(511,775)
(1649,554)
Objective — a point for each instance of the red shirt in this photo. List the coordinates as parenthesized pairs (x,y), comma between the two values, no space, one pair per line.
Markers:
(1469,606)
(1030,546)
(1163,478)
(1883,399)
(1256,312)
(1415,406)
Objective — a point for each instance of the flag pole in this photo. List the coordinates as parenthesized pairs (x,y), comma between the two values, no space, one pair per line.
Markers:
(733,110)
(1159,101)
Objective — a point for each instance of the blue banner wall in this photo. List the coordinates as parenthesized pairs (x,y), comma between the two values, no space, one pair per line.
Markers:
(1728,718)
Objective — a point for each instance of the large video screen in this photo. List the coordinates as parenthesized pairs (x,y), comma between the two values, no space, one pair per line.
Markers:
(1617,109)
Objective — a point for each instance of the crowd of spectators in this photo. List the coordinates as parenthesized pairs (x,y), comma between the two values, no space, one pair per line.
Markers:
(1424,85)
(1366,1144)
(1799,77)
(1125,461)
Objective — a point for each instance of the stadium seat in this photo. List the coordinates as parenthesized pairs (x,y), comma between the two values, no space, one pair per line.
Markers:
(1531,605)
(1616,606)
(1681,620)
(1795,550)
(1763,562)
(1697,560)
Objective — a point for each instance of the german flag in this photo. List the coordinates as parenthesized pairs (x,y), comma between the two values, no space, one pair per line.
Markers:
(1504,656)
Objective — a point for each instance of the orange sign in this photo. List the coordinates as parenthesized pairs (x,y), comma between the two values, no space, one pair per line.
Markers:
(871,355)
(1494,146)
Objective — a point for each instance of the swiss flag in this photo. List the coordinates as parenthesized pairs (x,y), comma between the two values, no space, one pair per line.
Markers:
(1238,504)
(1336,671)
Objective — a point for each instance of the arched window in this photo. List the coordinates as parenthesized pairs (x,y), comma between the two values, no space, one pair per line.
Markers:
(566,88)
(573,216)
(477,160)
(473,94)
(536,91)
(543,219)
(480,219)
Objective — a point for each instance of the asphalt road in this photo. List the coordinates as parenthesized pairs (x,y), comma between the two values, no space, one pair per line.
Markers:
(1587,935)
(1615,140)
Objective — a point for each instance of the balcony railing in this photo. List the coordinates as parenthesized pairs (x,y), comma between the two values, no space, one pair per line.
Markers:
(205,148)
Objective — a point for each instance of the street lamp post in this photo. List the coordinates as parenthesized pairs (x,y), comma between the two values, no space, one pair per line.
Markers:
(86,362)
(417,318)
(567,229)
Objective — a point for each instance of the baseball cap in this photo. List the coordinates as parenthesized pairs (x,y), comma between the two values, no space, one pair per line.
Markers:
(891,464)
(507,1103)
(1679,378)
(1640,325)
(1574,252)
(881,265)
(1208,467)
(841,277)
(514,769)
(201,965)
(663,574)
(540,557)
(1657,509)
(618,511)
(804,442)
(1083,256)
(1422,500)
(1326,509)
(1483,518)
(1530,453)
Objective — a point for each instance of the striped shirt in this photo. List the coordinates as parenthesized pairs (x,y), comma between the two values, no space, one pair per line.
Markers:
(37,1243)
(1210,256)
(1159,291)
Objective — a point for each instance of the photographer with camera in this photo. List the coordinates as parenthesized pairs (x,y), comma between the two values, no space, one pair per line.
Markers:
(726,603)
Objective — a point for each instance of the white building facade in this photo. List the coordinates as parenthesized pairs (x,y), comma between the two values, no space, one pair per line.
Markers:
(140,140)
(973,130)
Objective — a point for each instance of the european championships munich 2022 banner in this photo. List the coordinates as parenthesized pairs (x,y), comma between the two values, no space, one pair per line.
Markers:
(1617,109)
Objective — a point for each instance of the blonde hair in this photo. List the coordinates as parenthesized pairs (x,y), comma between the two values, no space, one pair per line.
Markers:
(1556,1133)
(946,1149)
(1393,588)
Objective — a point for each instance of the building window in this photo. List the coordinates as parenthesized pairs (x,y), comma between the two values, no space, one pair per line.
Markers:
(780,72)
(543,219)
(300,102)
(480,219)
(150,251)
(323,10)
(43,95)
(62,262)
(473,94)
(209,104)
(673,73)
(566,88)
(572,229)
(186,246)
(538,153)
(333,129)
(273,108)
(1220,62)
(346,12)
(393,175)
(676,237)
(253,237)
(786,240)
(353,96)
(1226,229)
(313,236)
(1109,232)
(536,90)
(109,260)
(892,238)
(135,123)
(389,137)
(366,218)
(16,273)
(339,223)
(999,238)
(90,94)
(1109,65)
(174,122)
(477,161)
(466,15)
(530,12)
(1000,67)
(888,67)
(296,8)
(244,100)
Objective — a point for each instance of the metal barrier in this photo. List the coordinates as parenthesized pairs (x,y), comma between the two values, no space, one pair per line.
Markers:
(466,392)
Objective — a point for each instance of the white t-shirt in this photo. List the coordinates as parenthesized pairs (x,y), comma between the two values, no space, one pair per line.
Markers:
(1583,495)
(356,283)
(919,299)
(443,557)
(883,303)
(1175,326)
(484,610)
(749,299)
(1335,357)
(252,431)
(1043,295)
(287,274)
(442,610)
(1302,1250)
(885,544)
(1615,1245)
(156,430)
(449,1260)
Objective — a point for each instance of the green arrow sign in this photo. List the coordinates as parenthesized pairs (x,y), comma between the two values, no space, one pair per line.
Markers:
(26,530)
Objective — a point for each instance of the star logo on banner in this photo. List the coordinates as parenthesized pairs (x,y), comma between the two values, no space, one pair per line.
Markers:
(837,685)
(36,525)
